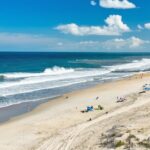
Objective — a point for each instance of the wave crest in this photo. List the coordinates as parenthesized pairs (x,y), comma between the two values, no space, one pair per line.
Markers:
(57,70)
(136,65)
(48,71)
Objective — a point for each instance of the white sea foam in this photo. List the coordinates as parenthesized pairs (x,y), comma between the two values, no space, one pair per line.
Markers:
(136,65)
(36,87)
(57,70)
(63,74)
(46,78)
(62,77)
(48,71)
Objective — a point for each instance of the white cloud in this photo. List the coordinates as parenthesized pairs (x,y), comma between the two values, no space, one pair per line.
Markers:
(33,42)
(136,42)
(118,4)
(132,43)
(22,41)
(59,43)
(147,26)
(28,42)
(139,27)
(93,3)
(115,26)
(88,42)
(124,44)
(22,38)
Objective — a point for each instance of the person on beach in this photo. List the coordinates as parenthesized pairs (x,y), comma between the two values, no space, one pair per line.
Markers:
(97,98)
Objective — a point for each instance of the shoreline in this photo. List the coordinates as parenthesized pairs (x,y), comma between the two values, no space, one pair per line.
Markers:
(35,106)
(42,124)
(15,110)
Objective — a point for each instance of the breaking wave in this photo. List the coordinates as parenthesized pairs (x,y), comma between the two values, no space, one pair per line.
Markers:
(135,66)
(48,71)
(56,77)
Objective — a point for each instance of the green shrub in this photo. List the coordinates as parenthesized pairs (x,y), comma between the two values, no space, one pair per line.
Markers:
(100,107)
(119,144)
(145,144)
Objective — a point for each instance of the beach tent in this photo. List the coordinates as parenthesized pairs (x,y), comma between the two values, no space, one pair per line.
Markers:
(147,87)
(89,108)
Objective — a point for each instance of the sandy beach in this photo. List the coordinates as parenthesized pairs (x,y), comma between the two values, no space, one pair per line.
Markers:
(75,75)
(60,125)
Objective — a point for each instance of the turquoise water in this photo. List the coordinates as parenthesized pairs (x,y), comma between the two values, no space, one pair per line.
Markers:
(39,76)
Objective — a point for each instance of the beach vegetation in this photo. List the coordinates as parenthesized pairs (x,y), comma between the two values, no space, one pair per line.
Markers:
(99,107)
(131,136)
(119,144)
(145,144)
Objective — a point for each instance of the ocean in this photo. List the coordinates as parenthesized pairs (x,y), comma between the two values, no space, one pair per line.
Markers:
(28,77)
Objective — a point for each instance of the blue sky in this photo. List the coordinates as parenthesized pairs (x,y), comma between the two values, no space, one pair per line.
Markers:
(75,25)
